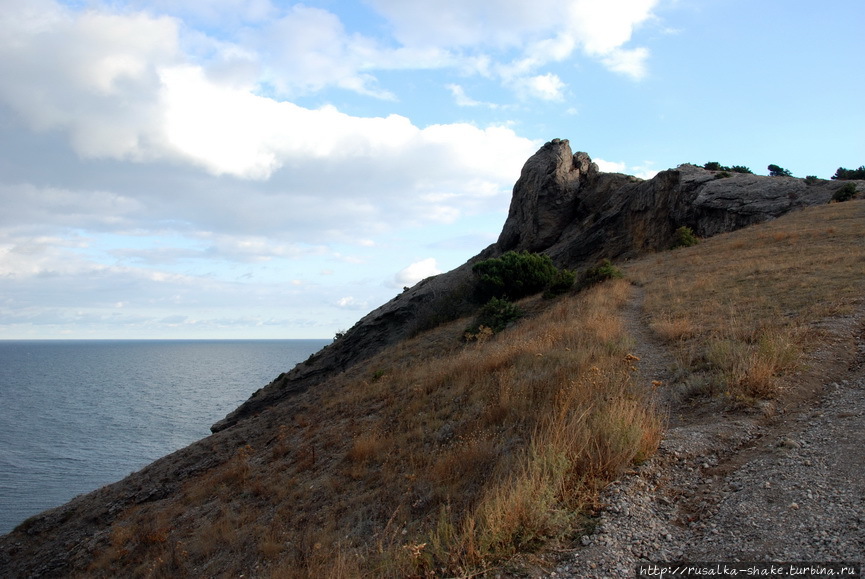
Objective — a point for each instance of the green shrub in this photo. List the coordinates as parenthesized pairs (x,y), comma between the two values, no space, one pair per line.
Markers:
(515,275)
(561,283)
(722,175)
(776,171)
(843,174)
(603,271)
(811,179)
(496,314)
(716,166)
(845,193)
(685,237)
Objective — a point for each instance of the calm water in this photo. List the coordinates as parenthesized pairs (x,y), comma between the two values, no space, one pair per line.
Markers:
(76,415)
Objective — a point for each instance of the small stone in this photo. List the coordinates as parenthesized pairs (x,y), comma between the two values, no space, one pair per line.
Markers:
(794,506)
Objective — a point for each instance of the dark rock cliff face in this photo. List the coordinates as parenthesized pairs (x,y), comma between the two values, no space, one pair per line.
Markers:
(563,206)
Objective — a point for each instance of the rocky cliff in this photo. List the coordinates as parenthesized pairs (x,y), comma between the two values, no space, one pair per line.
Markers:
(563,206)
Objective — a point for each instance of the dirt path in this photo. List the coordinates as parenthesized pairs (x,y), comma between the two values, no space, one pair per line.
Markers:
(655,369)
(744,487)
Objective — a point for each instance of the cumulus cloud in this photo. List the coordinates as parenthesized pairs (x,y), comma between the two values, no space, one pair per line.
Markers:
(92,75)
(416,272)
(119,88)
(158,149)
(548,87)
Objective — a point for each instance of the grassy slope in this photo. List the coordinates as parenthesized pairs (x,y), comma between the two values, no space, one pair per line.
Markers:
(436,456)
(740,308)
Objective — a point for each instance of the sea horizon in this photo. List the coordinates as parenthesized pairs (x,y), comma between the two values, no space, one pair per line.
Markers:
(82,413)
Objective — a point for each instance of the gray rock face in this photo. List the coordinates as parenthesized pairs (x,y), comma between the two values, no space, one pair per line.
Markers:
(563,206)
(544,197)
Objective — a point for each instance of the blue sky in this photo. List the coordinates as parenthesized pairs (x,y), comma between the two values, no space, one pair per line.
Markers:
(265,169)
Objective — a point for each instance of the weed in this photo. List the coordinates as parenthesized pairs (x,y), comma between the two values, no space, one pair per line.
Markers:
(603,271)
(495,315)
(685,237)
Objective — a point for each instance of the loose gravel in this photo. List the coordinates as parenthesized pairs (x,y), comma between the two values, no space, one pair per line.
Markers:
(743,487)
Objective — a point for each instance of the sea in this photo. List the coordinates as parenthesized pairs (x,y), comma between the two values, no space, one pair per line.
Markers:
(79,414)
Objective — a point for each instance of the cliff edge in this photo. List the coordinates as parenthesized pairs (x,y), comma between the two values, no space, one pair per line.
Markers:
(565,207)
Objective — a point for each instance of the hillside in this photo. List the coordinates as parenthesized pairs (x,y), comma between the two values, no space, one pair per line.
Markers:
(404,450)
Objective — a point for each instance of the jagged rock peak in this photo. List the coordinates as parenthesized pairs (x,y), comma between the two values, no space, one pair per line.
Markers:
(543,198)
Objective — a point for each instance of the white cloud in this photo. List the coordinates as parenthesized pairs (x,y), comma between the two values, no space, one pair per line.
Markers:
(119,88)
(644,171)
(460,96)
(161,165)
(548,87)
(416,272)
(308,49)
(92,75)
(213,12)
(543,31)
(610,166)
(26,206)
(629,62)
(352,303)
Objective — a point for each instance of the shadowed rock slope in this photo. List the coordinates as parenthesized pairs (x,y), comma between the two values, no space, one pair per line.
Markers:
(563,206)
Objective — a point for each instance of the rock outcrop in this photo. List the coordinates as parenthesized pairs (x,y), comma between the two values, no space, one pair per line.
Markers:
(563,206)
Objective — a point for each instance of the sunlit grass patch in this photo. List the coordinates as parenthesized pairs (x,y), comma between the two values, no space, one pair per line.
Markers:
(742,306)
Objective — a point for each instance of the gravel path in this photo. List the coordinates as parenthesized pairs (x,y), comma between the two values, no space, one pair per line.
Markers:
(744,487)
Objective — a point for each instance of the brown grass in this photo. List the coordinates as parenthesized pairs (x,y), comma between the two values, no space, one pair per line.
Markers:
(741,307)
(438,457)
(435,456)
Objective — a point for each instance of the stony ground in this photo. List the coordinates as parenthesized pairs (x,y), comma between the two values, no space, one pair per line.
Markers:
(779,484)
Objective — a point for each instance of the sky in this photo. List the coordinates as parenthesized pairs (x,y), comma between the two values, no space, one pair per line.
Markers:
(233,169)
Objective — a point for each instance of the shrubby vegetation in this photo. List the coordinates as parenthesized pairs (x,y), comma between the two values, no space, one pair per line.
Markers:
(603,271)
(843,174)
(716,166)
(494,317)
(513,276)
(776,171)
(685,237)
(845,193)
(811,179)
(516,275)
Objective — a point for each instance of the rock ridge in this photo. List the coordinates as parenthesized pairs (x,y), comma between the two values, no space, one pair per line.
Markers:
(564,206)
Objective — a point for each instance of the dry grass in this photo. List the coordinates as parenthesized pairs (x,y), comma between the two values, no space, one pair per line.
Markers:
(435,456)
(438,457)
(741,307)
